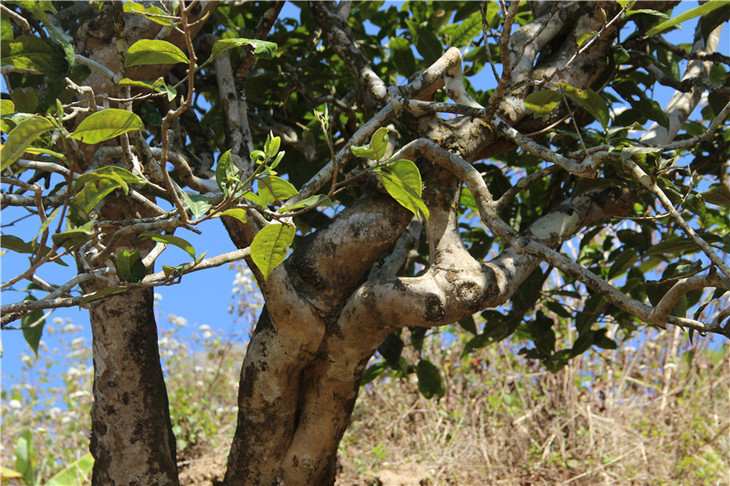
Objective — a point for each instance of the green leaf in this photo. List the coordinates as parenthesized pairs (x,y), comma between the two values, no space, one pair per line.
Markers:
(585,37)
(312,201)
(656,290)
(462,34)
(647,11)
(696,204)
(8,474)
(430,381)
(364,151)
(403,182)
(468,324)
(689,14)
(171,240)
(44,225)
(151,12)
(541,103)
(28,52)
(129,265)
(377,146)
(674,245)
(226,173)
(373,372)
(271,147)
(623,263)
(12,242)
(238,213)
(391,349)
(402,56)
(23,135)
(269,247)
(33,334)
(25,457)
(107,124)
(273,188)
(6,29)
(100,294)
(7,107)
(379,142)
(264,49)
(121,176)
(427,44)
(718,194)
(159,86)
(198,204)
(590,101)
(74,237)
(53,26)
(151,51)
(77,473)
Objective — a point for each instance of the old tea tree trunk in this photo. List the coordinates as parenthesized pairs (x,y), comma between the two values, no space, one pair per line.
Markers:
(446,197)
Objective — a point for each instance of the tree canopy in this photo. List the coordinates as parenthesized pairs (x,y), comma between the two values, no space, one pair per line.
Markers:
(383,169)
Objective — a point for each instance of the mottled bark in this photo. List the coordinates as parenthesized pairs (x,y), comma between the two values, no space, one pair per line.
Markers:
(131,435)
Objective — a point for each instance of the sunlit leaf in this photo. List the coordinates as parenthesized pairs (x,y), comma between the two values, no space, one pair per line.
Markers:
(462,34)
(25,457)
(274,188)
(77,473)
(315,200)
(375,149)
(152,51)
(264,49)
(20,137)
(269,247)
(402,180)
(703,9)
(590,101)
(107,124)
(226,173)
(198,204)
(271,147)
(151,12)
(171,240)
(27,52)
(585,37)
(129,265)
(101,294)
(238,213)
(541,103)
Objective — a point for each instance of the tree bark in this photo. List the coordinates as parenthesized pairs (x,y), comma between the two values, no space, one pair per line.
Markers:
(131,434)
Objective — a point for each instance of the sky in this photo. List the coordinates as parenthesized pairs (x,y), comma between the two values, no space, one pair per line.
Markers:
(203,298)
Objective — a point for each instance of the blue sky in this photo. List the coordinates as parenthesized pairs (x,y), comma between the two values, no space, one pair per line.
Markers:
(203,298)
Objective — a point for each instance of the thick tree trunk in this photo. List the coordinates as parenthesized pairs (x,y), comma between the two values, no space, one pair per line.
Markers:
(131,437)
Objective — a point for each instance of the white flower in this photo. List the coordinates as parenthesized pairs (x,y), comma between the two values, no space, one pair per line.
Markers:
(73,371)
(204,327)
(15,404)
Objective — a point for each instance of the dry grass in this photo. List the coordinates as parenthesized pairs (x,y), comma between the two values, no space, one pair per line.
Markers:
(619,418)
(655,414)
